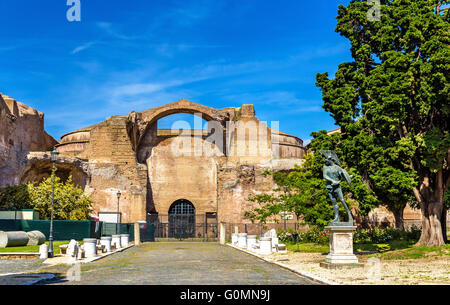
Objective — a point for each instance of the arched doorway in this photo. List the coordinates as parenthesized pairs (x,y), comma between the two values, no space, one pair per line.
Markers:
(182,219)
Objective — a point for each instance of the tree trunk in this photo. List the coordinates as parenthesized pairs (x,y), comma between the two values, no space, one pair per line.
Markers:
(431,225)
(430,195)
(399,223)
(444,224)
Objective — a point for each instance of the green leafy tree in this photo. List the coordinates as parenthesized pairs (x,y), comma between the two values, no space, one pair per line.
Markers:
(299,191)
(70,202)
(392,104)
(302,191)
(15,197)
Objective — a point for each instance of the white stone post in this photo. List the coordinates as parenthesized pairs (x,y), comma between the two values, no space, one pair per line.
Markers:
(116,241)
(222,232)
(124,240)
(234,239)
(43,251)
(137,234)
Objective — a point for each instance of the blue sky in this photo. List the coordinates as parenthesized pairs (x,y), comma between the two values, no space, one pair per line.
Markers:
(135,55)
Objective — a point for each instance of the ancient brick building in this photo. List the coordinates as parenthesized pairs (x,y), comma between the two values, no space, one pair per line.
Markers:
(215,170)
(21,131)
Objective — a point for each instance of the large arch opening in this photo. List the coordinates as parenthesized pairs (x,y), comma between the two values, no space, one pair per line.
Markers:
(180,151)
(182,219)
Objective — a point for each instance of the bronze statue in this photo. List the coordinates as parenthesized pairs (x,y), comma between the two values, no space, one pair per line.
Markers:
(334,174)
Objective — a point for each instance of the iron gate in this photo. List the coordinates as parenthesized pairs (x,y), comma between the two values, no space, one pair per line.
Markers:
(182,226)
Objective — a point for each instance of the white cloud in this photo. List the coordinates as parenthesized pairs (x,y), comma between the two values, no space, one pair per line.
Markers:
(83,47)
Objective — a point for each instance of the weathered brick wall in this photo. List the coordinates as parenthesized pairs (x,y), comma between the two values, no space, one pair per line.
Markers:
(21,130)
(160,172)
(113,167)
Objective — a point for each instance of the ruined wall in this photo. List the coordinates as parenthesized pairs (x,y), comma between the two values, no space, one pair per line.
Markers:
(154,168)
(21,131)
(174,177)
(112,167)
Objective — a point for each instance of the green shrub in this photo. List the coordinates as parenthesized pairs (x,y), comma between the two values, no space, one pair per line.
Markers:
(378,235)
(315,235)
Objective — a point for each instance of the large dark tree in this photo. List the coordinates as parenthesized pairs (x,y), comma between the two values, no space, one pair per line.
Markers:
(392,103)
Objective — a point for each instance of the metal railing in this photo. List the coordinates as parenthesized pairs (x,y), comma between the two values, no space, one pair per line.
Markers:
(185,226)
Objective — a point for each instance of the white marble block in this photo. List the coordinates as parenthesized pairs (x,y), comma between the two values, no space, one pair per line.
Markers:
(106,241)
(265,245)
(116,241)
(234,239)
(124,240)
(251,241)
(242,240)
(90,247)
(341,245)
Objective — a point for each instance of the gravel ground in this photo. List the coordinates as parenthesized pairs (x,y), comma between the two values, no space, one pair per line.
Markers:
(19,265)
(182,263)
(433,271)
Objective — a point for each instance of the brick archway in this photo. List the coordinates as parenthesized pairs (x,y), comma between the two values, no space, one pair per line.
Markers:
(139,123)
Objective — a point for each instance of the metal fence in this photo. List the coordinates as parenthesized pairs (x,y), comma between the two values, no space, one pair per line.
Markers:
(62,229)
(184,226)
(109,229)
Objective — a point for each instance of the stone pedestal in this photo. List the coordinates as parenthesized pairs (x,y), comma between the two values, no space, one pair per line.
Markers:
(341,246)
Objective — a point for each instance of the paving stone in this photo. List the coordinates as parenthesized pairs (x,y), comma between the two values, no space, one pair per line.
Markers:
(183,263)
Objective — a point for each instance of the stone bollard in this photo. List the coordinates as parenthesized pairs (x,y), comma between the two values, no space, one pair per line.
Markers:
(124,240)
(106,241)
(137,234)
(222,232)
(251,241)
(116,241)
(234,239)
(90,247)
(265,245)
(242,240)
(43,251)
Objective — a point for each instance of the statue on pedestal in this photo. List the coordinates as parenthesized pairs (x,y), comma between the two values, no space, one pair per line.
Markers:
(334,174)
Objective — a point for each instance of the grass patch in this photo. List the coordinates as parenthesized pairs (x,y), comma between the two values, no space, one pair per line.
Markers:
(34,249)
(398,249)
(393,245)
(415,252)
